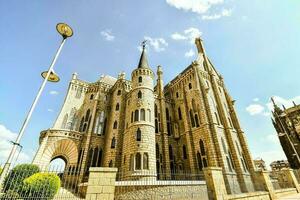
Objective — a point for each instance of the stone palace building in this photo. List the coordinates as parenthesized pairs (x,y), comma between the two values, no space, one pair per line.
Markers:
(151,130)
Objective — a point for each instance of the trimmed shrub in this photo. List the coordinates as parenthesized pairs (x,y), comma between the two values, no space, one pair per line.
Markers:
(41,185)
(14,180)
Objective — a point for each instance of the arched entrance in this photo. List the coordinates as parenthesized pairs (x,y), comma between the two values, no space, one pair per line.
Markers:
(58,164)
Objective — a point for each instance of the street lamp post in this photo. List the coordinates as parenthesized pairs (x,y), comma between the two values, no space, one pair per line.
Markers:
(65,31)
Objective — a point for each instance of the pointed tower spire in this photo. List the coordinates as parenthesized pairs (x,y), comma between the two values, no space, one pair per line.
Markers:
(143,59)
(276,108)
(294,103)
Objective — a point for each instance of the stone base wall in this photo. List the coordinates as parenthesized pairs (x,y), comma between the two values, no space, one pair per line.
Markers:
(250,196)
(285,192)
(165,191)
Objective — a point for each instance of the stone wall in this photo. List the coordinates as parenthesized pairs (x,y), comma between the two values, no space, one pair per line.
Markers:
(250,196)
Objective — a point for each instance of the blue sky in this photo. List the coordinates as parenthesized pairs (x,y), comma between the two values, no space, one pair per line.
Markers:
(253,44)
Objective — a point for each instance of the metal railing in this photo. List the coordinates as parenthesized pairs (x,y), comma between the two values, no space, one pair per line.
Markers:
(30,184)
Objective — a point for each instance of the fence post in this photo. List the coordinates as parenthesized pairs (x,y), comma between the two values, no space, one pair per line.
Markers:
(263,177)
(215,183)
(291,178)
(101,183)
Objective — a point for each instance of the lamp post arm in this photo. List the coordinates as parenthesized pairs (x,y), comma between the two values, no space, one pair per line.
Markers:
(24,125)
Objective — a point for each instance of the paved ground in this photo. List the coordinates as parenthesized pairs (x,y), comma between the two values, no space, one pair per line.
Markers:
(290,197)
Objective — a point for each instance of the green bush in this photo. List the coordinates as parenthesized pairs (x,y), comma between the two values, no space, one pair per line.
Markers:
(41,185)
(14,180)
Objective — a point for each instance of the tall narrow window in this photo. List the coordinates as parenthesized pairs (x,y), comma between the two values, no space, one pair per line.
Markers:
(99,158)
(184,152)
(64,122)
(91,97)
(155,110)
(145,161)
(81,124)
(139,94)
(143,115)
(138,161)
(113,143)
(170,152)
(157,151)
(138,135)
(224,146)
(177,95)
(131,167)
(117,106)
(110,163)
(197,120)
(87,115)
(202,147)
(192,118)
(140,79)
(199,161)
(167,114)
(156,126)
(119,92)
(136,115)
(190,86)
(95,156)
(115,125)
(131,117)
(179,114)
(217,118)
(104,126)
(228,163)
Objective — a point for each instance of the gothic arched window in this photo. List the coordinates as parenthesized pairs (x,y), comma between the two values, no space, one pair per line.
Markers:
(117,106)
(91,97)
(202,147)
(119,92)
(143,115)
(136,115)
(179,114)
(139,94)
(113,143)
(138,135)
(115,125)
(145,161)
(140,79)
(87,115)
(138,161)
(190,86)
(199,161)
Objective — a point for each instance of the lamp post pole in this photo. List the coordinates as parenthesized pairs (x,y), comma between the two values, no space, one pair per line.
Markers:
(66,32)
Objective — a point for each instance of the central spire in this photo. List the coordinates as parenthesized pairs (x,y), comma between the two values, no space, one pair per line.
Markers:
(143,59)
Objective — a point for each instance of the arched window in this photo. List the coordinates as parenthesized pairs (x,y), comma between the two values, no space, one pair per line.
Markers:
(138,135)
(119,92)
(139,94)
(156,126)
(113,143)
(140,79)
(138,161)
(177,95)
(199,161)
(224,146)
(91,97)
(117,106)
(99,158)
(167,114)
(202,147)
(64,122)
(143,115)
(157,150)
(136,115)
(131,166)
(115,125)
(190,86)
(87,115)
(170,152)
(197,120)
(104,126)
(184,152)
(110,163)
(179,114)
(84,127)
(149,115)
(145,161)
(192,118)
(95,156)
(81,124)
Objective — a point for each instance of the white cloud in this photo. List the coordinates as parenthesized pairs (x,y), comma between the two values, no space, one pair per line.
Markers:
(189,53)
(158,44)
(50,110)
(224,13)
(53,92)
(6,136)
(255,109)
(282,101)
(273,138)
(188,34)
(256,99)
(107,35)
(197,6)
(178,36)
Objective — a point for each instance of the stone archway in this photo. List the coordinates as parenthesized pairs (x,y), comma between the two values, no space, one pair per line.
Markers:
(57,148)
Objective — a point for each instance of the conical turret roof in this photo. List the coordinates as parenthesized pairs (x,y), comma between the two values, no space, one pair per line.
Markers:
(143,63)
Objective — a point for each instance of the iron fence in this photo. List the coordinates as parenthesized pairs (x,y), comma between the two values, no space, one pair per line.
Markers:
(54,183)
